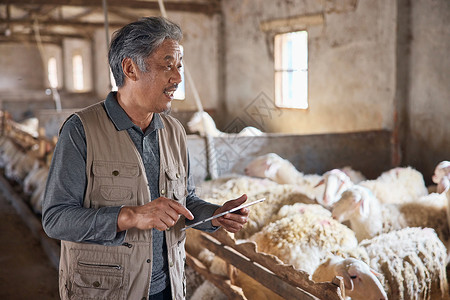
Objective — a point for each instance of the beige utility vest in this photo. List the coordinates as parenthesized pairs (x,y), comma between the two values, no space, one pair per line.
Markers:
(116,176)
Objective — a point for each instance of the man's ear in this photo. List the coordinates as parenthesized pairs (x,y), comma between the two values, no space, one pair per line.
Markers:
(129,68)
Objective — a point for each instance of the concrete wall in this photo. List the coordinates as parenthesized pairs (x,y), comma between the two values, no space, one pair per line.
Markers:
(368,152)
(428,140)
(351,63)
(21,68)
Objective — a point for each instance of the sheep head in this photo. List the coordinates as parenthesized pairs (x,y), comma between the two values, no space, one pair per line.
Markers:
(336,182)
(360,280)
(202,123)
(265,166)
(441,176)
(353,202)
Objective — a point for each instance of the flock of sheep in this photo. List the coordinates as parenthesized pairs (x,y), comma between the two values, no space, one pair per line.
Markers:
(387,238)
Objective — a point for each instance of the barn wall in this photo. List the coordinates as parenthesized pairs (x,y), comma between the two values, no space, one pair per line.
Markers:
(351,64)
(19,63)
(428,139)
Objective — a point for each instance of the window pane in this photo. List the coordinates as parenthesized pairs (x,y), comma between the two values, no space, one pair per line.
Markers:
(291,69)
(78,81)
(52,72)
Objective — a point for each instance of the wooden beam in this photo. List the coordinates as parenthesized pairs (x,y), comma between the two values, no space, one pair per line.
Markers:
(68,23)
(209,8)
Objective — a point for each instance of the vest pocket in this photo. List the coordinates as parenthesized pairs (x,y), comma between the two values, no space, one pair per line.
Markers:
(97,275)
(116,193)
(98,285)
(114,183)
(176,183)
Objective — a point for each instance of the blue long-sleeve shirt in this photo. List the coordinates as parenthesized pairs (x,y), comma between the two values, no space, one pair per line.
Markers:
(63,214)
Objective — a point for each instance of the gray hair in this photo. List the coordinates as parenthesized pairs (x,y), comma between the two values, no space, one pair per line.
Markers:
(137,41)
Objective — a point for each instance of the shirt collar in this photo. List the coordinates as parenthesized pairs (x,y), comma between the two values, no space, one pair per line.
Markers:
(120,118)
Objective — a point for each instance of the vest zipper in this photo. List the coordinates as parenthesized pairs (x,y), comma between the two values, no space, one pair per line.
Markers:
(84,264)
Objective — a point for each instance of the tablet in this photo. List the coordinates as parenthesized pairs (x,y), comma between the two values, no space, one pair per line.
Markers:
(224,213)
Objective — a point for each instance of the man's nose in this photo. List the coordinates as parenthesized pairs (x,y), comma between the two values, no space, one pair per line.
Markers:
(176,76)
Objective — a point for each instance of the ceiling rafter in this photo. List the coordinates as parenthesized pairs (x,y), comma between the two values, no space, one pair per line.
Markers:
(209,8)
(62,23)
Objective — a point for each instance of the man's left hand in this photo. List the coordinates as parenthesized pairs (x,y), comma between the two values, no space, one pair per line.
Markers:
(232,222)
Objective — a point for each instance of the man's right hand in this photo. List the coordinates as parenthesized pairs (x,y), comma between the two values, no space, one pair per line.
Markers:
(161,213)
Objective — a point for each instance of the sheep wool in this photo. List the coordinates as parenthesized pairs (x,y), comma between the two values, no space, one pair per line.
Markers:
(411,262)
(397,185)
(304,239)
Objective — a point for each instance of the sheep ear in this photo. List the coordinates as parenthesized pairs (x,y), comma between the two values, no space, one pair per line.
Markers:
(348,282)
(320,183)
(363,208)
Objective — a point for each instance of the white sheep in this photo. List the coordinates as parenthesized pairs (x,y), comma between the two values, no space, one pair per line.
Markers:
(208,291)
(412,263)
(203,123)
(221,190)
(282,171)
(397,185)
(35,178)
(441,176)
(369,217)
(360,280)
(304,238)
(335,183)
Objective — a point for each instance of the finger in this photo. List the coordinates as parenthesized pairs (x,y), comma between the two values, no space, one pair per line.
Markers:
(180,209)
(233,203)
(238,218)
(231,226)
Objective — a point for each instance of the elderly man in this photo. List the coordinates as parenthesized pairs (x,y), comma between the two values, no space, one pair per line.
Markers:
(119,190)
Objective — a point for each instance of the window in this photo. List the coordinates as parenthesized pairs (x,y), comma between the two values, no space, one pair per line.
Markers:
(52,72)
(180,92)
(291,69)
(78,80)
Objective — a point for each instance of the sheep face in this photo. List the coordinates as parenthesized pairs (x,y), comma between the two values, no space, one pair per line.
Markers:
(360,280)
(265,166)
(336,182)
(195,124)
(353,202)
(442,176)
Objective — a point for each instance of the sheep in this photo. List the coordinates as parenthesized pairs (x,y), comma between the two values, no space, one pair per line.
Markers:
(282,171)
(305,244)
(304,238)
(19,166)
(204,124)
(397,185)
(369,217)
(335,183)
(223,189)
(35,178)
(441,176)
(360,280)
(208,291)
(411,262)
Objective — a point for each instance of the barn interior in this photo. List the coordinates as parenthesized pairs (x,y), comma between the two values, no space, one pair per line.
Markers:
(326,84)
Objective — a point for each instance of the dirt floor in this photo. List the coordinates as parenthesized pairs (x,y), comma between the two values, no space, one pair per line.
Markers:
(25,270)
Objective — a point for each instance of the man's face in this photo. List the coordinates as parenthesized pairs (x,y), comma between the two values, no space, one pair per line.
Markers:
(156,86)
